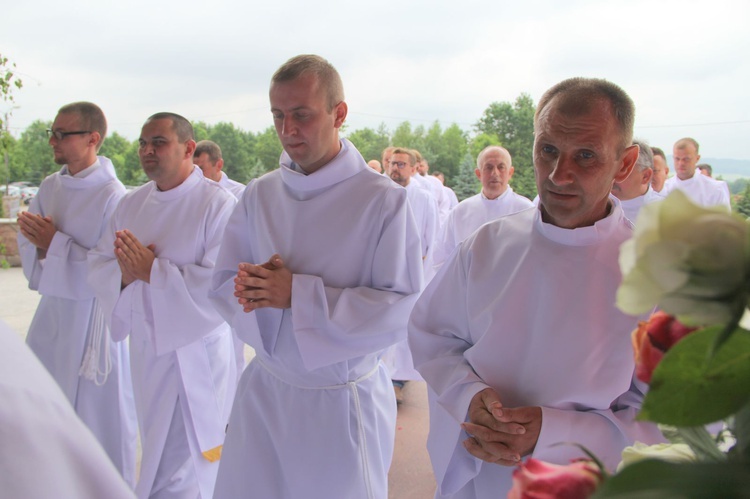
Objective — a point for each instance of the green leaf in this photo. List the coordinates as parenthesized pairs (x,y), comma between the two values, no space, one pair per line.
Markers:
(690,389)
(653,478)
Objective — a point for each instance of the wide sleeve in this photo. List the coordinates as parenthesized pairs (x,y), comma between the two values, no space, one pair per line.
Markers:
(30,255)
(439,336)
(604,432)
(236,248)
(182,311)
(105,277)
(337,324)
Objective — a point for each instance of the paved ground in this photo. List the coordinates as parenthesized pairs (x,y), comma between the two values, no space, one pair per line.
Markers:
(410,477)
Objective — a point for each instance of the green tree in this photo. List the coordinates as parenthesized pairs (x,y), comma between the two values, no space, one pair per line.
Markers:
(268,149)
(466,184)
(370,143)
(513,124)
(34,159)
(236,149)
(742,206)
(115,147)
(445,149)
(404,136)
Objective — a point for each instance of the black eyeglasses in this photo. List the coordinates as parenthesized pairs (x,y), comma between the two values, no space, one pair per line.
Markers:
(400,164)
(61,135)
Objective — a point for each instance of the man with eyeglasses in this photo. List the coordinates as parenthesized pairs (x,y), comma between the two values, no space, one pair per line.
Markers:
(152,269)
(403,170)
(68,332)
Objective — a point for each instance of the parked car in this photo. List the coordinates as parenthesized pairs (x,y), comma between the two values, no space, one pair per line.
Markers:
(28,193)
(12,190)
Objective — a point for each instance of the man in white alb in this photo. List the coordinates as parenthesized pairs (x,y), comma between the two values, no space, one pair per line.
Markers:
(702,190)
(208,158)
(635,191)
(661,170)
(402,170)
(518,336)
(318,270)
(68,332)
(46,449)
(151,270)
(494,170)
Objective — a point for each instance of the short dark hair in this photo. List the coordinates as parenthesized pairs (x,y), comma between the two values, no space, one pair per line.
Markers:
(209,147)
(180,125)
(581,94)
(707,167)
(91,118)
(328,78)
(659,152)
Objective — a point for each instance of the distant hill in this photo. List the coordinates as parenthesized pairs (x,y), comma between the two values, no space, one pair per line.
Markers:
(728,169)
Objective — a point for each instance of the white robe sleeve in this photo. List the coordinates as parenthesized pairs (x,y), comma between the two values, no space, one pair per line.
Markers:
(105,278)
(438,337)
(605,433)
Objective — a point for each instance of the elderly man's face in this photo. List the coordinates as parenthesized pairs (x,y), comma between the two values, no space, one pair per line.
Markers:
(577,159)
(685,160)
(495,171)
(635,185)
(307,129)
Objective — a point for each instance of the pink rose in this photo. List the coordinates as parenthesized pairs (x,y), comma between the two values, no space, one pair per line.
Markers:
(652,339)
(536,479)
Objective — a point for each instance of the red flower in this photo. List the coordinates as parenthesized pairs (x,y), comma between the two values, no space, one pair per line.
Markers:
(536,479)
(652,339)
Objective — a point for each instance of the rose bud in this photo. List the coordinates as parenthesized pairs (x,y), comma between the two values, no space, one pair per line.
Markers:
(539,480)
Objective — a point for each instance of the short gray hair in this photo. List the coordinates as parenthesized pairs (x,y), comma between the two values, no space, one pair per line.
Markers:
(645,156)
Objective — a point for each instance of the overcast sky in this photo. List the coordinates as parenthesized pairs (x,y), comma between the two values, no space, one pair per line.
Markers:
(685,64)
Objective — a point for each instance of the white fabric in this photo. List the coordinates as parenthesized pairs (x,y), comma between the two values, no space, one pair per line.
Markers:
(451,196)
(315,413)
(232,186)
(180,347)
(397,359)
(80,207)
(438,191)
(632,207)
(236,189)
(702,190)
(472,213)
(527,308)
(46,450)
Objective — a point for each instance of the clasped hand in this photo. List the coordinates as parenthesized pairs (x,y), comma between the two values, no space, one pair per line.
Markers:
(37,229)
(500,434)
(134,258)
(266,285)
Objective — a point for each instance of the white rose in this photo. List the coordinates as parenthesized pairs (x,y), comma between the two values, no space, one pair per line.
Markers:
(674,453)
(690,261)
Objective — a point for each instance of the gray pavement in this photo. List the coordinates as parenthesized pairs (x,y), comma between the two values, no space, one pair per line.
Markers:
(410,476)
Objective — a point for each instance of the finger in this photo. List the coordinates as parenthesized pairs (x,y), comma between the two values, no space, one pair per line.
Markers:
(497,455)
(256,270)
(498,433)
(520,415)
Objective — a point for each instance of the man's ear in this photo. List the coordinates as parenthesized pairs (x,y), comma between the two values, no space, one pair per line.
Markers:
(220,164)
(94,139)
(629,157)
(478,173)
(648,173)
(340,112)
(189,148)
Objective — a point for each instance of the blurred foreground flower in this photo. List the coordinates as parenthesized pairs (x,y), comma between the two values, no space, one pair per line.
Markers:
(536,479)
(652,339)
(691,262)
(674,453)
